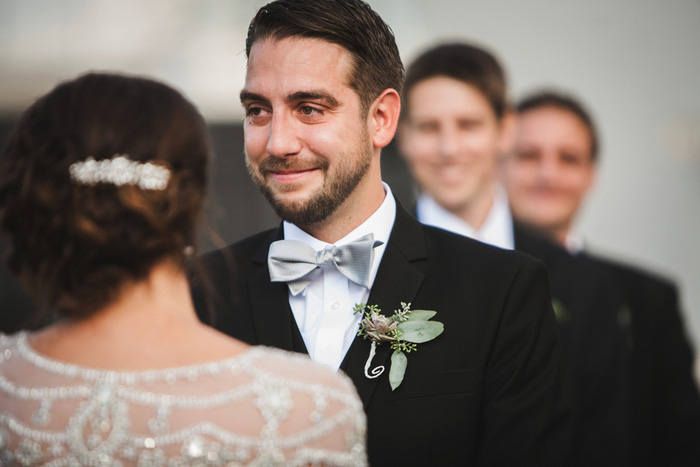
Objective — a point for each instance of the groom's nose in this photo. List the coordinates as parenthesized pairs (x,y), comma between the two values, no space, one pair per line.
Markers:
(283,139)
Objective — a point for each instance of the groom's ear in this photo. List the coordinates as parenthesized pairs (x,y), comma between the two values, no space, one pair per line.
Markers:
(384,117)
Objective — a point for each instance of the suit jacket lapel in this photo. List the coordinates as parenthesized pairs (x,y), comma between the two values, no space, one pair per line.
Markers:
(272,316)
(398,280)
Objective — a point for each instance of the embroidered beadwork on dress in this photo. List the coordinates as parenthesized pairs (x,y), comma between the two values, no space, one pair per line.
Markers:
(236,411)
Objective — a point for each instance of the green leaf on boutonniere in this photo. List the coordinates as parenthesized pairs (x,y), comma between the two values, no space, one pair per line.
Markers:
(420,315)
(418,332)
(399,362)
(403,330)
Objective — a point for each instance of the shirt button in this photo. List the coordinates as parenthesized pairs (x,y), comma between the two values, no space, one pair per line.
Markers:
(335,305)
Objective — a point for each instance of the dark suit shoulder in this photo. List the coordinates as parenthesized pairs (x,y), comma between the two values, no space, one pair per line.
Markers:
(634,275)
(254,242)
(488,273)
(461,247)
(216,281)
(242,248)
(535,243)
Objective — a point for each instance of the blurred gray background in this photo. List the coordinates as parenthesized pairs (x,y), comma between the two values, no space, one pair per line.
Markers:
(636,63)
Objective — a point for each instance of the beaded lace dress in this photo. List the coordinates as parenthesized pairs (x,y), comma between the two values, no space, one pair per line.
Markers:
(264,407)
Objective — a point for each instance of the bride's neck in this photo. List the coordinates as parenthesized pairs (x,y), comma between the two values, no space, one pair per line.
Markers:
(152,324)
(161,300)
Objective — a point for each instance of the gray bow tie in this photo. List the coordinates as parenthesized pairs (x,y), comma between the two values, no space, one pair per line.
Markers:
(298,264)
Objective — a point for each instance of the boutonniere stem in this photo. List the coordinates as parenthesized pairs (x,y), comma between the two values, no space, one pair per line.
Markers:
(404,330)
(377,370)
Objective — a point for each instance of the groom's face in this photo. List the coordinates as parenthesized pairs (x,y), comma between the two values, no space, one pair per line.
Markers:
(306,140)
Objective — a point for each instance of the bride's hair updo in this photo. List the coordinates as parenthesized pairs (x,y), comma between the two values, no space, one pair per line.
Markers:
(77,242)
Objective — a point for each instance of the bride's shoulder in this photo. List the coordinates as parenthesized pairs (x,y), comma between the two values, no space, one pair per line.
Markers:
(13,363)
(7,339)
(8,342)
(299,368)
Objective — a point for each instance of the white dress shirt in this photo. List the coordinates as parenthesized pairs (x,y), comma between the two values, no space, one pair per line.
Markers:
(497,229)
(324,310)
(573,242)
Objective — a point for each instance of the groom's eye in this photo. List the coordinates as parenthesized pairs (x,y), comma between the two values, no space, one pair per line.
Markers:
(257,115)
(308,110)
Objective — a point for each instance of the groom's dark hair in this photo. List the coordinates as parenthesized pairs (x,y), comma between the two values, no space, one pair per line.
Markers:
(351,24)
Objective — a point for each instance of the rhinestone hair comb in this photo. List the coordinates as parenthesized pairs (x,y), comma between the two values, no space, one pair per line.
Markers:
(120,170)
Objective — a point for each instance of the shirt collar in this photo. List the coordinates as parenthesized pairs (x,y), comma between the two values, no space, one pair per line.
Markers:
(574,242)
(379,223)
(497,229)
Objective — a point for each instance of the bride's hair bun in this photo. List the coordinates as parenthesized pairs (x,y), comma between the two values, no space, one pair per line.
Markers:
(74,243)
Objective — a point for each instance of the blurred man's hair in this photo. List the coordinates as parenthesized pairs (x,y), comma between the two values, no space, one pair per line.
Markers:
(558,100)
(463,62)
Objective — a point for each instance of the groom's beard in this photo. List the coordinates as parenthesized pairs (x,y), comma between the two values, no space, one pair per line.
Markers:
(337,185)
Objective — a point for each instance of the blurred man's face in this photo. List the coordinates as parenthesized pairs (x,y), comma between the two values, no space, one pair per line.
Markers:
(550,169)
(451,139)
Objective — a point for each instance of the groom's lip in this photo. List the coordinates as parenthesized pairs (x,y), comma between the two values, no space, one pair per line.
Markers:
(287,176)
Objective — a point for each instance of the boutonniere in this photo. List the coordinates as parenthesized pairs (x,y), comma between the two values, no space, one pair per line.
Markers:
(561,313)
(404,330)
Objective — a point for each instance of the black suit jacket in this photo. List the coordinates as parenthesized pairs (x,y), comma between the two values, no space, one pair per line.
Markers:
(489,391)
(664,395)
(636,402)
(595,328)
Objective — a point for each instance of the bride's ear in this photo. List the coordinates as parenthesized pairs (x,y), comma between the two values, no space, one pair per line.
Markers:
(384,117)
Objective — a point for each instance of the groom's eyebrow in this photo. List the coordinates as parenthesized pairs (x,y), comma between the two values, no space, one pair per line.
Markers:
(313,95)
(248,96)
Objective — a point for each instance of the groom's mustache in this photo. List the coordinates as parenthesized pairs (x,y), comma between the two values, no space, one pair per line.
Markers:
(293,164)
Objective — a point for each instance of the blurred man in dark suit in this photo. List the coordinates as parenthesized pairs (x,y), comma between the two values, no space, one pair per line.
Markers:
(547,176)
(455,126)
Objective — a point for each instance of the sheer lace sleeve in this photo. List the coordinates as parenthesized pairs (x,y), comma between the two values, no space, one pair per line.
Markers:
(263,407)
